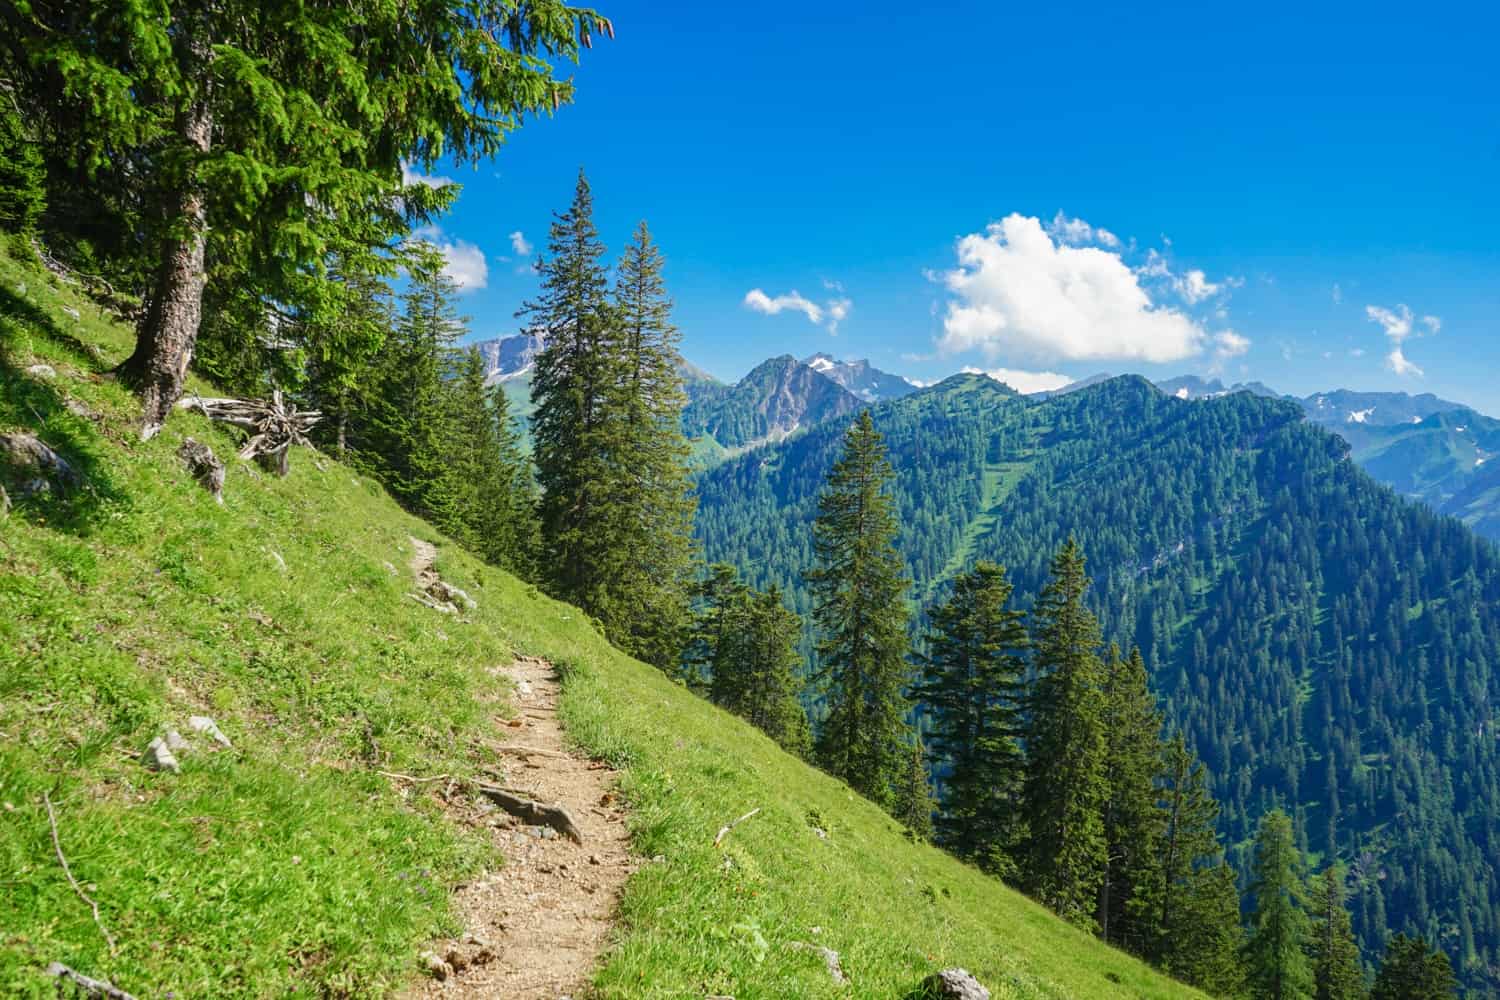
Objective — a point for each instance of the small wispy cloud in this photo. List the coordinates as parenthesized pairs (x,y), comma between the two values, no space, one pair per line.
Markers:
(1397,324)
(1077,232)
(519,245)
(464,263)
(829,314)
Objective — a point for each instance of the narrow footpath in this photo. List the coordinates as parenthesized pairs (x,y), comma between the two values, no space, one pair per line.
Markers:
(535,929)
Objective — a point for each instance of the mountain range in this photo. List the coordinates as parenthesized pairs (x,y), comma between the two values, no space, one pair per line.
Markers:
(1323,643)
(1430,449)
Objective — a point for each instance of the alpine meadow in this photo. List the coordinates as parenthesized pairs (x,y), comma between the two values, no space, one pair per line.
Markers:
(504,499)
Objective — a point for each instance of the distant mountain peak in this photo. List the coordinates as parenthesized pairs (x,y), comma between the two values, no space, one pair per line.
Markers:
(861,378)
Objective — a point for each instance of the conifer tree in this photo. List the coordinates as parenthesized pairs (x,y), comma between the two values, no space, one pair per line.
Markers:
(578,429)
(344,342)
(858,606)
(1133,745)
(1335,956)
(507,499)
(913,792)
(1207,945)
(970,687)
(1276,956)
(718,625)
(653,566)
(1184,895)
(275,128)
(1412,971)
(1066,783)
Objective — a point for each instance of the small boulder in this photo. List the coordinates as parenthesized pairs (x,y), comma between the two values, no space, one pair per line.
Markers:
(158,757)
(952,984)
(72,314)
(42,371)
(449,594)
(30,467)
(207,727)
(204,466)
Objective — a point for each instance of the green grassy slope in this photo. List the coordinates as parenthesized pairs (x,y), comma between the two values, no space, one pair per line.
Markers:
(289,866)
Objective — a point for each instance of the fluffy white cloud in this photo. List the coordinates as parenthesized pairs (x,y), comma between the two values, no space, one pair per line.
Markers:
(834,311)
(465,263)
(1017,292)
(1023,382)
(1397,324)
(410,177)
(518,244)
(1076,232)
(1194,287)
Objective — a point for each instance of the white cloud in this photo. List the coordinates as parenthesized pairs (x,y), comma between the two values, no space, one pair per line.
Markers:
(760,302)
(1023,382)
(1076,232)
(1194,287)
(1433,324)
(833,286)
(834,311)
(410,177)
(1228,344)
(1338,294)
(465,263)
(1017,292)
(1397,325)
(518,244)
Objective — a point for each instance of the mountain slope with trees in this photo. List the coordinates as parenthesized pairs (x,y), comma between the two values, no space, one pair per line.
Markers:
(1323,644)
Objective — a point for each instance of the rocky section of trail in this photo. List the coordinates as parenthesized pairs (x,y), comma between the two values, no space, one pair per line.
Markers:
(535,929)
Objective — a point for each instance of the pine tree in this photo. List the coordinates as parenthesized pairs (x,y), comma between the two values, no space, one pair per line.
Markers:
(653,567)
(343,344)
(1207,946)
(771,699)
(1276,958)
(274,129)
(1412,971)
(1335,956)
(970,687)
(913,804)
(1133,756)
(510,533)
(1181,908)
(1066,783)
(578,429)
(858,606)
(23,179)
(719,623)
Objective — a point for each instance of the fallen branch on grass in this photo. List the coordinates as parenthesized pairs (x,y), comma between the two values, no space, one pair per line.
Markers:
(724,830)
(273,425)
(407,777)
(62,859)
(94,989)
(521,751)
(533,812)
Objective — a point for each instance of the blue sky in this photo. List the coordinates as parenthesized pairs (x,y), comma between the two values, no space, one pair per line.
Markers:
(1303,195)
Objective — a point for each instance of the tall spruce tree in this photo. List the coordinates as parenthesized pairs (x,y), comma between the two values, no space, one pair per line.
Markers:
(1335,955)
(971,686)
(653,568)
(273,129)
(858,605)
(1411,970)
(579,429)
(1067,785)
(1276,954)
(508,498)
(1133,746)
(1191,915)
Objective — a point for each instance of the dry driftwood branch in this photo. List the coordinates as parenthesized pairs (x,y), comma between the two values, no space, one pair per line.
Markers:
(109,938)
(533,812)
(273,425)
(724,830)
(94,989)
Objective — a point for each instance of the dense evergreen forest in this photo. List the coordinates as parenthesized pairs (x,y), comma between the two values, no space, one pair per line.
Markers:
(1323,645)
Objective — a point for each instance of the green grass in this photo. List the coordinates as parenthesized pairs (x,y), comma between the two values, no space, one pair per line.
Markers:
(288,867)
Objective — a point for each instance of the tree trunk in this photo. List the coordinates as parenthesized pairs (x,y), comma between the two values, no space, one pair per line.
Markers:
(169,329)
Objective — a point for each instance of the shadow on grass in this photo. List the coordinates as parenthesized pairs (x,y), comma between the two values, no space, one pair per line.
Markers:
(32,404)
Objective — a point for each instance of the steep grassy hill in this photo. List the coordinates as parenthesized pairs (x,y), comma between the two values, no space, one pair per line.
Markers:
(1323,643)
(288,866)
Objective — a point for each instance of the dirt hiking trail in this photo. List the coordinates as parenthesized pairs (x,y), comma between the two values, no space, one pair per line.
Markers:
(535,928)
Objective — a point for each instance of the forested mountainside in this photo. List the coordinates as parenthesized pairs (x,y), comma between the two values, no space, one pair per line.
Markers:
(777,397)
(1324,644)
